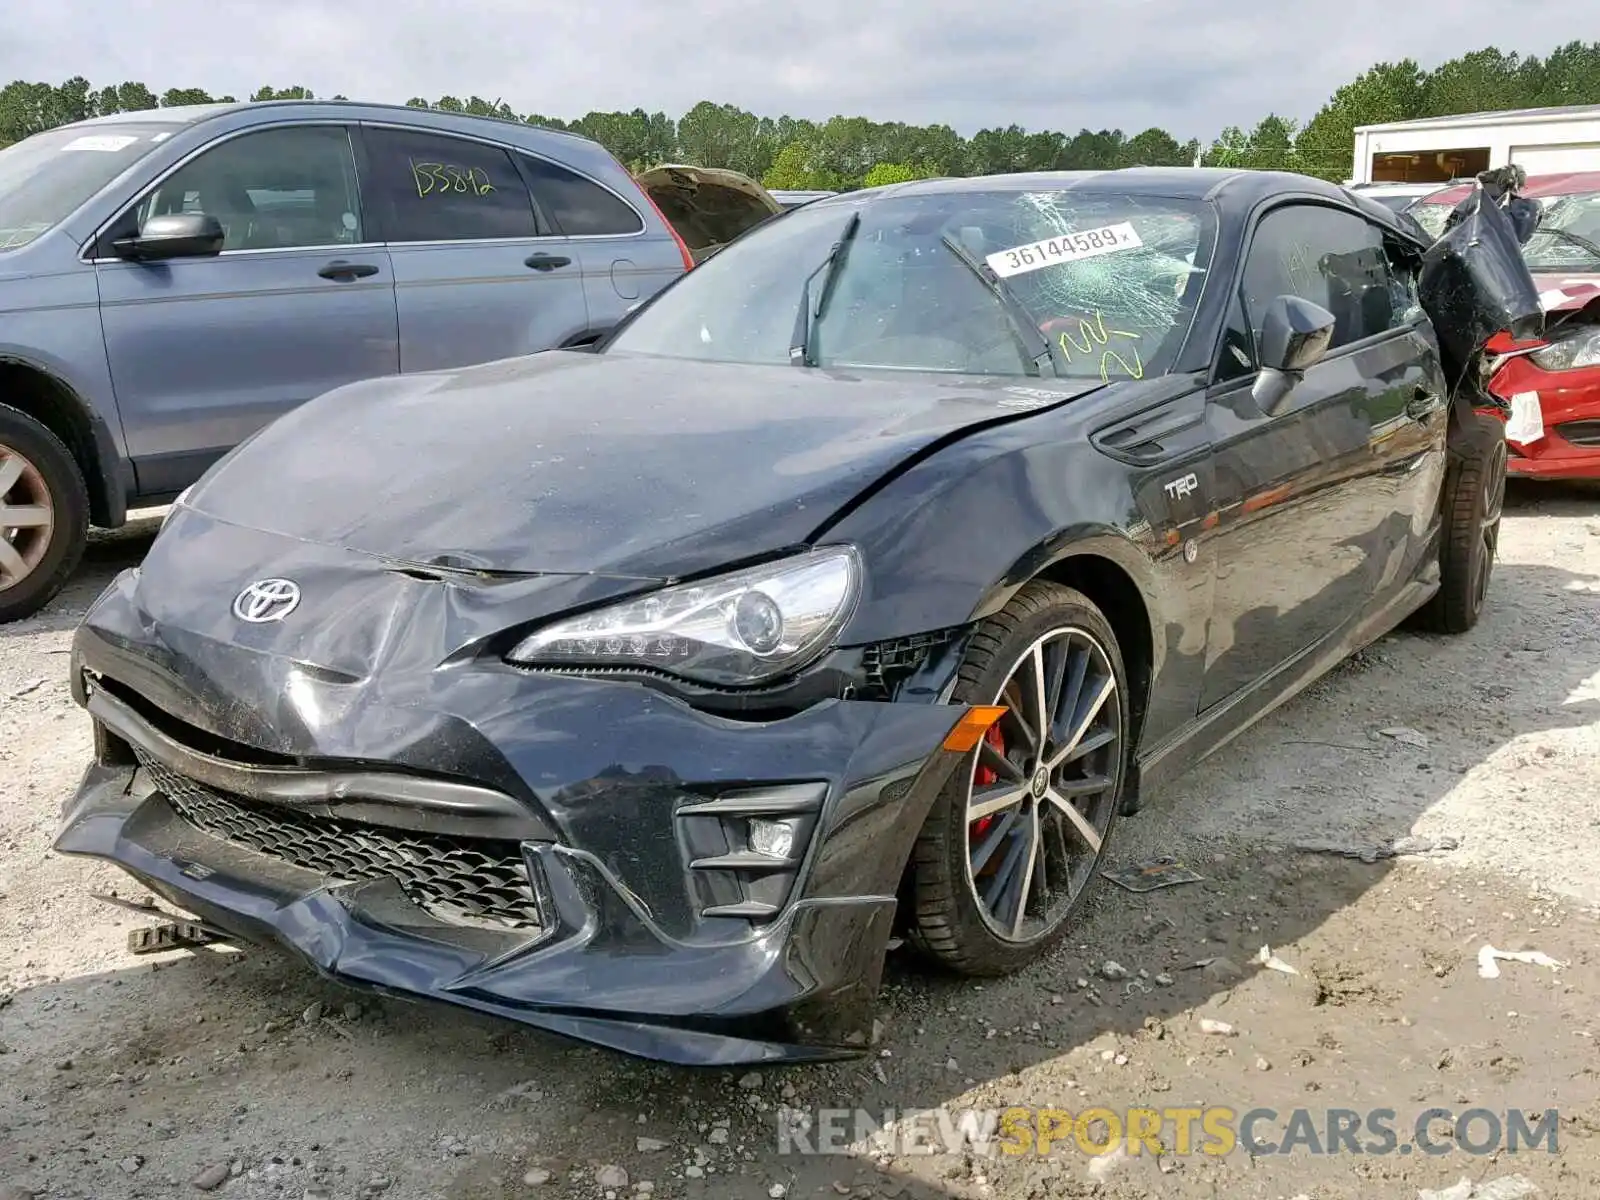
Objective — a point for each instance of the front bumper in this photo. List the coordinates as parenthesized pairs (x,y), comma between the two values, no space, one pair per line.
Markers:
(568,853)
(1569,403)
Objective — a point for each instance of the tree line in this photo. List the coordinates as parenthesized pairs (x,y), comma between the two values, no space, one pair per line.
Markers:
(849,152)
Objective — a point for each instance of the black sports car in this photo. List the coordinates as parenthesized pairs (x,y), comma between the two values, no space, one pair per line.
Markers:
(855,584)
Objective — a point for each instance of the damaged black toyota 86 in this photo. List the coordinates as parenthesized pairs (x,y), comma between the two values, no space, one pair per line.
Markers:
(850,590)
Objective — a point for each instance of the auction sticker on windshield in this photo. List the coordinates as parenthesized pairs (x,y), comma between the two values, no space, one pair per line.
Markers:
(1068,247)
(104,143)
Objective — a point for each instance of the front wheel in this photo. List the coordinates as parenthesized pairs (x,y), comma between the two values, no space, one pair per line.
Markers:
(1013,841)
(44,515)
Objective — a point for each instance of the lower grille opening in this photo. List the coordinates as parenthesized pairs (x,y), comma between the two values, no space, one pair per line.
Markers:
(476,882)
(1581,433)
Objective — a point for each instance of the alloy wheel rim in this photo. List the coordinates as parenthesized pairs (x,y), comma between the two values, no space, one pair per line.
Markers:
(27,517)
(1494,499)
(1043,785)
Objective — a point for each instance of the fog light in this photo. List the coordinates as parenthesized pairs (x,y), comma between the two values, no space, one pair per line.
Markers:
(772,838)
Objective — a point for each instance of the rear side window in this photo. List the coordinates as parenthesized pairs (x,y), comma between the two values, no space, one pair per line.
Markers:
(1332,258)
(445,189)
(578,206)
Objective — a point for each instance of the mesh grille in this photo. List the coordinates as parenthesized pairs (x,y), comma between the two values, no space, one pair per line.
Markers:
(463,881)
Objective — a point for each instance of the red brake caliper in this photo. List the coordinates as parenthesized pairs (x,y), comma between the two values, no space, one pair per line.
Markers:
(985,777)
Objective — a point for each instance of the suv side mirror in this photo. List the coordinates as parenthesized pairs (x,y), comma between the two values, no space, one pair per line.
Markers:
(1295,334)
(178,235)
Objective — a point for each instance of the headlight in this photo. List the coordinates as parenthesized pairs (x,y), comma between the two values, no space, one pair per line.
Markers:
(735,630)
(1570,353)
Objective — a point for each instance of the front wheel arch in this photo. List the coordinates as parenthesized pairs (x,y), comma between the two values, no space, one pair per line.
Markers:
(49,400)
(943,911)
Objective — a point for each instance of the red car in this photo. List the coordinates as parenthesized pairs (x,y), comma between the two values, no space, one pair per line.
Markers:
(1554,385)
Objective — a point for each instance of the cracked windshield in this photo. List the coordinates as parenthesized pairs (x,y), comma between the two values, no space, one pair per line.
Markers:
(1083,285)
(1568,238)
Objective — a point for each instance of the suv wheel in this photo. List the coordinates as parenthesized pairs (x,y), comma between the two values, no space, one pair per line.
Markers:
(44,515)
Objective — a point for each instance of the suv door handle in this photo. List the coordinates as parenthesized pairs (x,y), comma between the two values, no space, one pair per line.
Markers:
(546,262)
(339,269)
(1421,404)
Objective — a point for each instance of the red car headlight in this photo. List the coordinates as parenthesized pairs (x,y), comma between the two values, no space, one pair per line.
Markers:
(1581,350)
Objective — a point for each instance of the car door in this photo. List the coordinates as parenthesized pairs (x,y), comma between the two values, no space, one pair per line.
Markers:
(622,266)
(204,351)
(478,275)
(1324,510)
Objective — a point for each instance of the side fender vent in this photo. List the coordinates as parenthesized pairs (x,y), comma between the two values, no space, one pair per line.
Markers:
(1151,436)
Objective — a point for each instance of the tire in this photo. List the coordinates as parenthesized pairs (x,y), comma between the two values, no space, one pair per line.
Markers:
(1473,499)
(43,493)
(958,854)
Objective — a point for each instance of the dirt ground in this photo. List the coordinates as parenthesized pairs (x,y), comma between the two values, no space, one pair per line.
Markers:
(244,1075)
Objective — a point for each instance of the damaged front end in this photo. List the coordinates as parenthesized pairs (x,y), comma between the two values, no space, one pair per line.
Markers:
(1476,286)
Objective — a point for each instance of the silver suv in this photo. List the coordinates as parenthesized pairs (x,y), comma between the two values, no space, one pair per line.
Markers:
(173,280)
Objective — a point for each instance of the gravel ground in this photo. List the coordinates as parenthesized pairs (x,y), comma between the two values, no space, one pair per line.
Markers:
(243,1075)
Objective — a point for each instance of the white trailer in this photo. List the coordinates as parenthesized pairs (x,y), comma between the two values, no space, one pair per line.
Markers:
(1543,141)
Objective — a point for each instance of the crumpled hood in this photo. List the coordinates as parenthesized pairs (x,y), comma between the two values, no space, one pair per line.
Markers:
(573,463)
(1567,291)
(708,206)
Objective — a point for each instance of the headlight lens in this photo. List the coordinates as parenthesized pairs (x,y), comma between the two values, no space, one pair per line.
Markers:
(734,630)
(1570,353)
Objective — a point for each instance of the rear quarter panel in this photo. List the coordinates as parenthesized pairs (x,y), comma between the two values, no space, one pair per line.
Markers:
(619,273)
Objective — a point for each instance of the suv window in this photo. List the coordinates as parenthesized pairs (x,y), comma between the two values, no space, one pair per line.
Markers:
(272,190)
(445,189)
(579,207)
(1331,258)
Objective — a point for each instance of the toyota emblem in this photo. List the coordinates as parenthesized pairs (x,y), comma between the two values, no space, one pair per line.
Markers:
(267,600)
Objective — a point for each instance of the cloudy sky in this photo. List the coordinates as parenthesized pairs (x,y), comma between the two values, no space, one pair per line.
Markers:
(1191,68)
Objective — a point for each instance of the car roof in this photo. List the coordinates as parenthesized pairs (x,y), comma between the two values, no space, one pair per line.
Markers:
(1235,191)
(351,110)
(1563,183)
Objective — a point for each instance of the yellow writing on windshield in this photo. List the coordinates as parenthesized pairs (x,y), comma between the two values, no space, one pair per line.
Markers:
(1094,338)
(440,178)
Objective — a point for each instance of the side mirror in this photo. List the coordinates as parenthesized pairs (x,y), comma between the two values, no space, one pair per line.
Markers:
(179,235)
(1295,335)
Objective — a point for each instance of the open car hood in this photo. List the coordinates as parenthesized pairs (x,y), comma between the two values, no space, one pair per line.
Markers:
(571,464)
(708,206)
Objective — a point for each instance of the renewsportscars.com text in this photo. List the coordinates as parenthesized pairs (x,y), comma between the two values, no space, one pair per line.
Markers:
(1214,1130)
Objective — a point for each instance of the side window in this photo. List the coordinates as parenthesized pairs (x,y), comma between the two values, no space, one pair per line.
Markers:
(444,189)
(273,190)
(1332,258)
(579,207)
(1406,299)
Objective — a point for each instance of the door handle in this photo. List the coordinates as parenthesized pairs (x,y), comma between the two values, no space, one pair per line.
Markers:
(1422,403)
(546,262)
(339,269)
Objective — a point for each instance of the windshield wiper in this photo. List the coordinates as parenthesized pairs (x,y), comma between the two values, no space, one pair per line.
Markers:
(1036,347)
(800,340)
